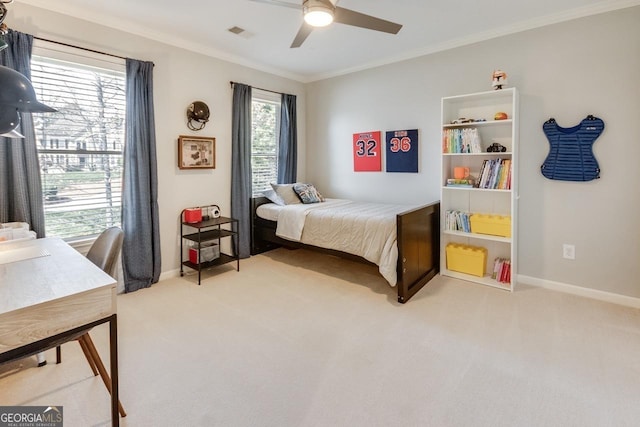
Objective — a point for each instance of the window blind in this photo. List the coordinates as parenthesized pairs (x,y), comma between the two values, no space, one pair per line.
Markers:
(264,141)
(80,146)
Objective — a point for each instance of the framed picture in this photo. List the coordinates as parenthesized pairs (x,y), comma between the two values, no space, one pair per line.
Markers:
(196,152)
(367,154)
(402,150)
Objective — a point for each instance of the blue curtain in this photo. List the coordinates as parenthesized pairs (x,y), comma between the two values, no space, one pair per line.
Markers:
(288,141)
(141,245)
(20,183)
(241,166)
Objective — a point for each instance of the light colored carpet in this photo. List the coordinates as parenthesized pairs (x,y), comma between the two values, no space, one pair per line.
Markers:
(298,338)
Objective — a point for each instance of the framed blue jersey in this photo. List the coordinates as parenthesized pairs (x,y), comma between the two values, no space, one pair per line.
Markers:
(402,150)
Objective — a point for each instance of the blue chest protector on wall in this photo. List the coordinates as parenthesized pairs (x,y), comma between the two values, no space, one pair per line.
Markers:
(571,157)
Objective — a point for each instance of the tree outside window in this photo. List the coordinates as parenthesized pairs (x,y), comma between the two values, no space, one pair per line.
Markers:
(265,122)
(80,147)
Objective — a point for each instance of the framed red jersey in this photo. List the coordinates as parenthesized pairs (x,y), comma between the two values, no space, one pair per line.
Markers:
(367,151)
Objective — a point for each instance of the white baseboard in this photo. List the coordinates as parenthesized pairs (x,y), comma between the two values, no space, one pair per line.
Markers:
(170,274)
(580,291)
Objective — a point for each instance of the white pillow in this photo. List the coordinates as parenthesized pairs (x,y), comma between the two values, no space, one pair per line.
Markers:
(286,193)
(273,196)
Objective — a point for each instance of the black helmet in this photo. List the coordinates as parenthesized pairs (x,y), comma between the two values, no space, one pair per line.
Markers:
(197,112)
(9,122)
(18,92)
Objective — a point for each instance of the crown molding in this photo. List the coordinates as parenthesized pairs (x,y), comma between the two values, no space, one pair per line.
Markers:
(581,12)
(175,41)
(134,28)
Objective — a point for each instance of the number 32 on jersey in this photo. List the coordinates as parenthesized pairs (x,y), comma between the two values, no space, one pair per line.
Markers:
(367,153)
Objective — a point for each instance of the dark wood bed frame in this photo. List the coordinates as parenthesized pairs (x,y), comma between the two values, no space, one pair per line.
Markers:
(418,232)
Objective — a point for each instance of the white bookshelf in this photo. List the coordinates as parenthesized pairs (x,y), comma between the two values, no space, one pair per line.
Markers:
(481,106)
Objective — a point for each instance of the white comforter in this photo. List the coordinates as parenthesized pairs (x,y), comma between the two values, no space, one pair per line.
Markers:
(364,229)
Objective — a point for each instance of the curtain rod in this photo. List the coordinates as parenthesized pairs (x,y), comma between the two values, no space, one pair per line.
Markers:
(79,47)
(259,88)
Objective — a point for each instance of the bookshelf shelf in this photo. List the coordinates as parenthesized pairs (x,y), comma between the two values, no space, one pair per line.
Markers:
(492,201)
(508,153)
(485,280)
(490,190)
(477,236)
(481,124)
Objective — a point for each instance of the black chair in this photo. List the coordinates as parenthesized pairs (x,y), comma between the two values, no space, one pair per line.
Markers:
(103,253)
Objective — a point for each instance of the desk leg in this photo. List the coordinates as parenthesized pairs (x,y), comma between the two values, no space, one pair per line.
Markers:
(113,347)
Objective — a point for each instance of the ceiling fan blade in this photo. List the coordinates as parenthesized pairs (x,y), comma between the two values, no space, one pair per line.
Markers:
(280,3)
(357,19)
(302,35)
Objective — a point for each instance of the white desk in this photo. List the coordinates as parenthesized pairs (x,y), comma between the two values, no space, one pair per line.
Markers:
(49,292)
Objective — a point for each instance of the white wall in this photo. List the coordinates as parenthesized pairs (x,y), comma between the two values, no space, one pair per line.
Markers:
(180,77)
(566,71)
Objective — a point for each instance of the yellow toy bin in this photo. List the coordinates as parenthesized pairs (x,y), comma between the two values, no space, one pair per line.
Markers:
(466,259)
(494,225)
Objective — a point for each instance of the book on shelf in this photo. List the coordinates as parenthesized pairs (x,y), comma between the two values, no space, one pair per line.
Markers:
(504,172)
(495,174)
(461,140)
(502,270)
(457,221)
(464,183)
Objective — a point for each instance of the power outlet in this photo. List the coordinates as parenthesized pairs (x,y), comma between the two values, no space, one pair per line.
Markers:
(568,251)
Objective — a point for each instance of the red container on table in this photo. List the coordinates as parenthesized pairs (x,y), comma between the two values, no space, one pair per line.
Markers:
(193,215)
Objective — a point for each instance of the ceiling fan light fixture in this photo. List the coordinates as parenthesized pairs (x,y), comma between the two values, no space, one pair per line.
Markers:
(317,14)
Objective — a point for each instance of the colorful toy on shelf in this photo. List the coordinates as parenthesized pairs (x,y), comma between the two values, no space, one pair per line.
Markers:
(499,78)
(500,115)
(496,148)
(463,120)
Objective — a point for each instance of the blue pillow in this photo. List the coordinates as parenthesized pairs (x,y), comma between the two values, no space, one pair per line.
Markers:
(308,193)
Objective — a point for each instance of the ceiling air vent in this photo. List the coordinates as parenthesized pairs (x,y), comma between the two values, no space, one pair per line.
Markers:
(236,30)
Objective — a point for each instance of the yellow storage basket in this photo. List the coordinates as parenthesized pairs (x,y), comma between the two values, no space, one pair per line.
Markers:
(494,225)
(466,259)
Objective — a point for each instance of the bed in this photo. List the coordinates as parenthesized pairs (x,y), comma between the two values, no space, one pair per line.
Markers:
(406,242)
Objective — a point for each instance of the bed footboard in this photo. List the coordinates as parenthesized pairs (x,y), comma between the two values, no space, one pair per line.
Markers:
(418,249)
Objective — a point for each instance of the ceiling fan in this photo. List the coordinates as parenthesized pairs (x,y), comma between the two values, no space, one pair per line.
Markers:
(320,13)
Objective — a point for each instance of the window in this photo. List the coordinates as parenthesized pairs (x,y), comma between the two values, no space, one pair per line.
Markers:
(79,147)
(265,127)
